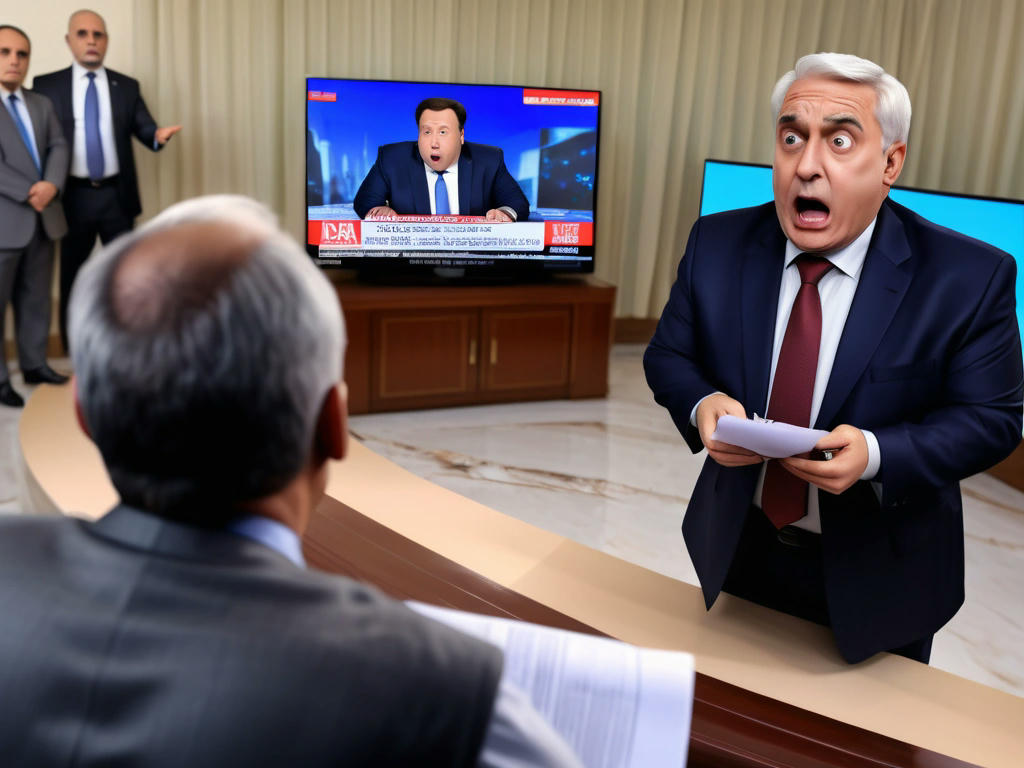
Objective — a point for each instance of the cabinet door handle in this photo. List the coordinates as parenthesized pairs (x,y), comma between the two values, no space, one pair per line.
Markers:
(472,351)
(494,351)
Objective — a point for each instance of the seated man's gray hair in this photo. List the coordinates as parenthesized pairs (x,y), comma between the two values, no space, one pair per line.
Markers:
(204,345)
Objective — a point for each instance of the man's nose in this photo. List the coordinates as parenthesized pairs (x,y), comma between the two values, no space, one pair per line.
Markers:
(809,165)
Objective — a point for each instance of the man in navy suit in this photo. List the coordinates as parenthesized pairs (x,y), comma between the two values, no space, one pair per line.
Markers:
(915,373)
(100,110)
(440,173)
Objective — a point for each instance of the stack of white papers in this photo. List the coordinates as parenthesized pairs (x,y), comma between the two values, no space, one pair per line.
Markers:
(616,705)
(771,439)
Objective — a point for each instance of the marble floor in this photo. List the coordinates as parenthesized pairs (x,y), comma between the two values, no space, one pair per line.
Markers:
(614,474)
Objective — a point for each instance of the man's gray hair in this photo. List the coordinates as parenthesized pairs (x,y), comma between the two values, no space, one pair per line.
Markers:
(213,400)
(892,103)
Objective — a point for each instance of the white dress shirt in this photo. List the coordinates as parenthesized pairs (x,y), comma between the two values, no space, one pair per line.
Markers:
(836,289)
(26,118)
(517,736)
(79,84)
(451,181)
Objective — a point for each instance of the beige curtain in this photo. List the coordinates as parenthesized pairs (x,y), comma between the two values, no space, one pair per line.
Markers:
(682,80)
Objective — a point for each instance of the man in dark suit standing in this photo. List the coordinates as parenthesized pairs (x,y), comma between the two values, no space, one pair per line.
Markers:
(441,173)
(33,164)
(182,628)
(100,110)
(839,309)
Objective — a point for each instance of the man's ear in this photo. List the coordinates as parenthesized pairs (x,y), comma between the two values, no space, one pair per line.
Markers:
(332,424)
(894,157)
(78,407)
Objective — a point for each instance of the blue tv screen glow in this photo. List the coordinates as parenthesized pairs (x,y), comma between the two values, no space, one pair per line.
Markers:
(995,221)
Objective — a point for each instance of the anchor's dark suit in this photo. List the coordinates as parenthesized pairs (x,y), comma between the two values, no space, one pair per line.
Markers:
(398,180)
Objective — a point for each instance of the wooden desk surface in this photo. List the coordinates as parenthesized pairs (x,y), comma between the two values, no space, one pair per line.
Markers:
(737,643)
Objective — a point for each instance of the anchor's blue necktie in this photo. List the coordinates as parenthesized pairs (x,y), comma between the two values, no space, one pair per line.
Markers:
(93,142)
(24,133)
(441,194)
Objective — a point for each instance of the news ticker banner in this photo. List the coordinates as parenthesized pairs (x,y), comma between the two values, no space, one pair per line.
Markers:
(446,233)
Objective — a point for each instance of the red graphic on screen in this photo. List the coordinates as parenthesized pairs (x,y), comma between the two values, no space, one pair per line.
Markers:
(549,97)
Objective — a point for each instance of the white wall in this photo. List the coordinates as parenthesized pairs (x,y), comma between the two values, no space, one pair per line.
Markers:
(46,23)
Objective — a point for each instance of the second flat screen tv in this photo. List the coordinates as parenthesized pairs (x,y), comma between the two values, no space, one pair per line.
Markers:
(548,139)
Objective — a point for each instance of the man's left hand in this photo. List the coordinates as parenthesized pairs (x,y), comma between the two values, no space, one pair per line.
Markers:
(40,194)
(850,459)
(498,216)
(163,135)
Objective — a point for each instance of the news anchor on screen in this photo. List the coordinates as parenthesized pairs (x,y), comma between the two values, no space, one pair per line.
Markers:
(440,173)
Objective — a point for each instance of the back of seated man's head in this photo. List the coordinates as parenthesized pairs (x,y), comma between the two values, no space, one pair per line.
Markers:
(204,346)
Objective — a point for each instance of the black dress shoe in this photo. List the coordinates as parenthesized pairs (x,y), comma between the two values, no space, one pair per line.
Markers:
(44,374)
(9,397)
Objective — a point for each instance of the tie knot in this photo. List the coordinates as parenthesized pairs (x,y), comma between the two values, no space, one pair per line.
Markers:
(14,98)
(440,173)
(812,268)
(91,75)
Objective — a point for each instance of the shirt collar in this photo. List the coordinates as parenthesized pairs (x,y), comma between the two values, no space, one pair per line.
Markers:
(271,533)
(848,260)
(452,170)
(78,72)
(7,95)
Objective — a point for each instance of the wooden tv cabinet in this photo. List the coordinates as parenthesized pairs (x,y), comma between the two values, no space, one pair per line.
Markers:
(434,346)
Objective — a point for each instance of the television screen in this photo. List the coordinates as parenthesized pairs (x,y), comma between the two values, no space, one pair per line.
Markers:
(995,221)
(532,150)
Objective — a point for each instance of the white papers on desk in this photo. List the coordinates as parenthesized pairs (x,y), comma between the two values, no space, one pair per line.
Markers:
(616,705)
(771,439)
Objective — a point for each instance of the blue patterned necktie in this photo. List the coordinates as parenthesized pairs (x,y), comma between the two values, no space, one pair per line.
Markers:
(93,143)
(24,132)
(441,194)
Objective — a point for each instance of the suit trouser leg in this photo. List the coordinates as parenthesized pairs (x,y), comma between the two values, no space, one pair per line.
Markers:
(91,212)
(74,250)
(790,578)
(8,269)
(31,300)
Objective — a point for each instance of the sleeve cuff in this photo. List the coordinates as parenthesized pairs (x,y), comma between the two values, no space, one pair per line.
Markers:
(693,413)
(874,455)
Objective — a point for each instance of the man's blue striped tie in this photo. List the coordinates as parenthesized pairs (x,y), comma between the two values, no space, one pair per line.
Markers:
(24,132)
(93,143)
(441,194)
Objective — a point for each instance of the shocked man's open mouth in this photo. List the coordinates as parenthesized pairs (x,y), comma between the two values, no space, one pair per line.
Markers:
(811,212)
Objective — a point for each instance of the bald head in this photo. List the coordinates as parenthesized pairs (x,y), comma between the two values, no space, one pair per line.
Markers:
(173,272)
(87,38)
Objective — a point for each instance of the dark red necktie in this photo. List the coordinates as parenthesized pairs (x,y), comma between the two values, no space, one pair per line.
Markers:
(784,495)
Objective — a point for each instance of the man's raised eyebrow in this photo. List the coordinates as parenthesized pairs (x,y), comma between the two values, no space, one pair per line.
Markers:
(783,119)
(844,120)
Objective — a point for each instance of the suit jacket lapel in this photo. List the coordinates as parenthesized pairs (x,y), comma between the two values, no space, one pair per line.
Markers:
(465,182)
(117,106)
(418,182)
(759,300)
(35,111)
(883,284)
(66,108)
